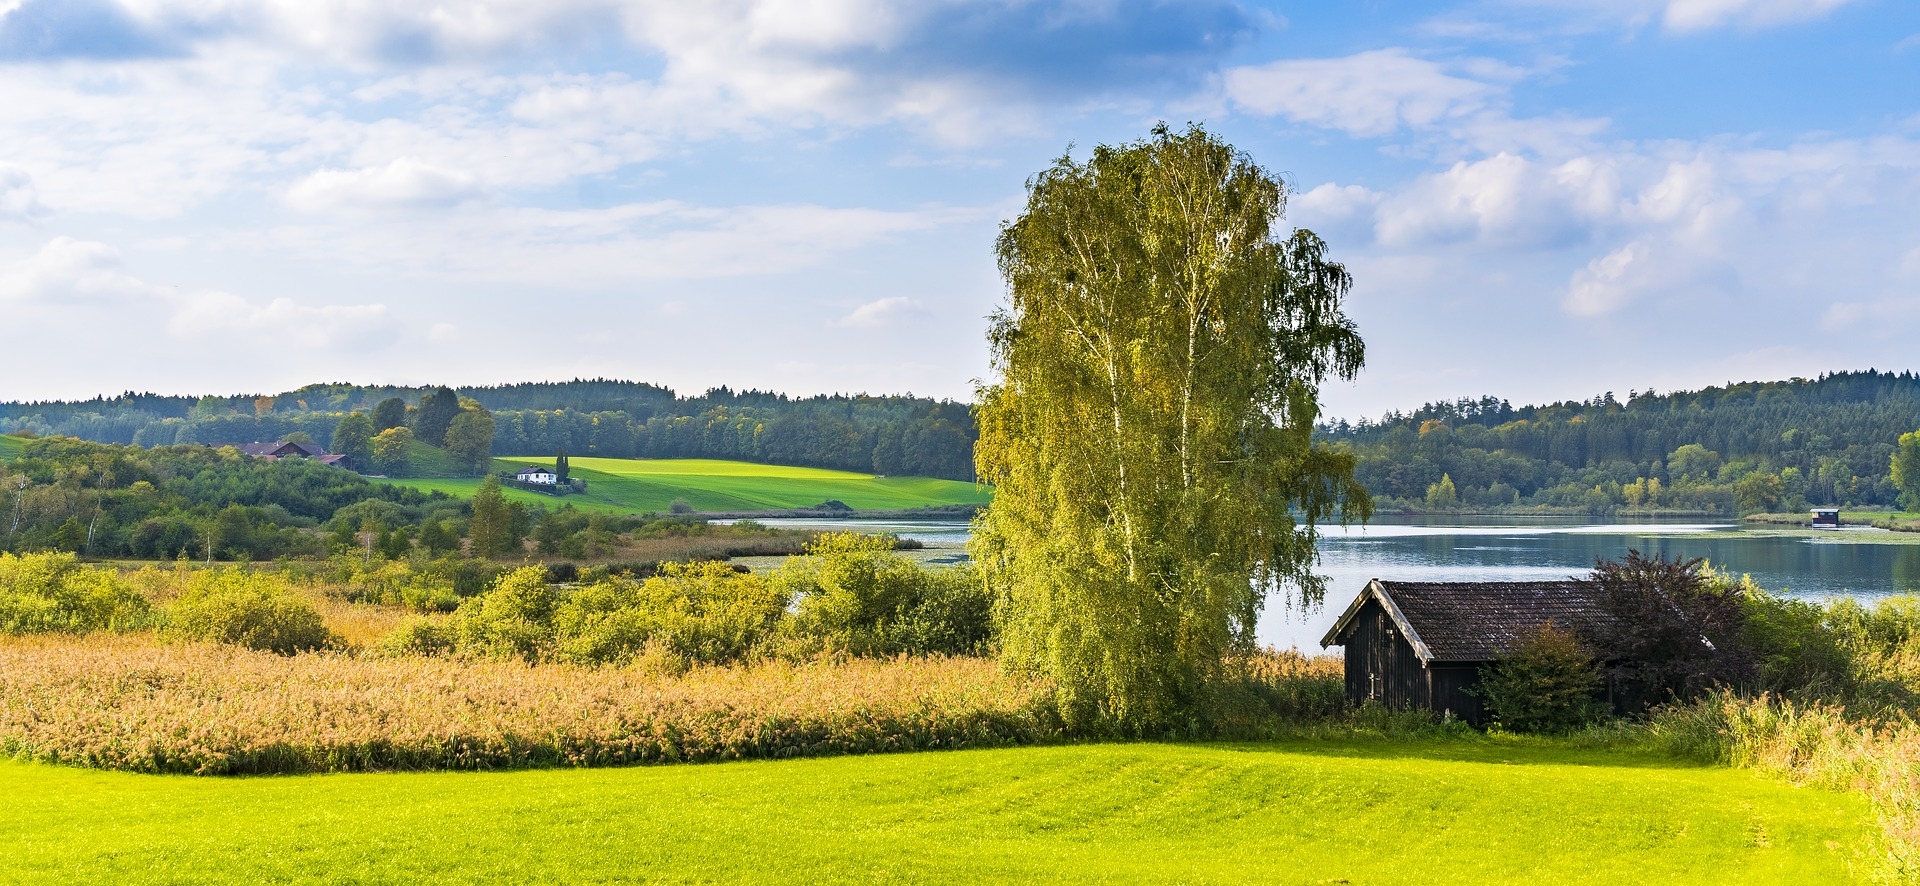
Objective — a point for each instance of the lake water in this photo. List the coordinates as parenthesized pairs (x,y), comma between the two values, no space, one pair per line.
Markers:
(1861,563)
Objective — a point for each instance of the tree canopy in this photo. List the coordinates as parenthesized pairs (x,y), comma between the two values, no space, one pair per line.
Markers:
(1150,430)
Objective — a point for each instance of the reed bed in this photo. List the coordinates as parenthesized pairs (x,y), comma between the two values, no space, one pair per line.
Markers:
(131,703)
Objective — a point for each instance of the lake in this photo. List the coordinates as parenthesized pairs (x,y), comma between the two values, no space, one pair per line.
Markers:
(1861,563)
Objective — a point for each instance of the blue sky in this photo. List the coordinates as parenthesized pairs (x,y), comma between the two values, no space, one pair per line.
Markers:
(1538,199)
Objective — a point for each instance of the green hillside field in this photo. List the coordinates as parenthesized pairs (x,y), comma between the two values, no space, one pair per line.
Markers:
(652,485)
(1300,813)
(10,447)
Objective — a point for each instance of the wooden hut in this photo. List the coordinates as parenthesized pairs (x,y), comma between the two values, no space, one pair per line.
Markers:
(1423,644)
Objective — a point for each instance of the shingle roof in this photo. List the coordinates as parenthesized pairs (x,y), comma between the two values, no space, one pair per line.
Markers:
(1477,621)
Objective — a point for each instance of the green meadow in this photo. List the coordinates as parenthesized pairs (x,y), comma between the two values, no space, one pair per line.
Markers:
(10,447)
(644,485)
(1307,813)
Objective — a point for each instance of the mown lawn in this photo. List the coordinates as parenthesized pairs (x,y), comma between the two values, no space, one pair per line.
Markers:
(1309,813)
(653,485)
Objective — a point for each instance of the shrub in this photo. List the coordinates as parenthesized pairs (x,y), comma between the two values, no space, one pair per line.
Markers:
(42,593)
(513,620)
(1795,650)
(417,636)
(706,613)
(258,611)
(1549,684)
(854,595)
(1675,629)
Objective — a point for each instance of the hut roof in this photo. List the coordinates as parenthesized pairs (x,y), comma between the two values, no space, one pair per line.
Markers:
(1476,621)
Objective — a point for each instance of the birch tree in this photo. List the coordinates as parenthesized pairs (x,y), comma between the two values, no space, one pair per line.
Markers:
(1149,431)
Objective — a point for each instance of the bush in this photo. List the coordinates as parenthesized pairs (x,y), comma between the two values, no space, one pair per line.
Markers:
(513,620)
(1797,653)
(417,636)
(257,611)
(43,593)
(1549,684)
(856,596)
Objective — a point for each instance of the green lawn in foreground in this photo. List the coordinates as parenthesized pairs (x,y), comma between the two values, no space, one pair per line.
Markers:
(1137,813)
(642,485)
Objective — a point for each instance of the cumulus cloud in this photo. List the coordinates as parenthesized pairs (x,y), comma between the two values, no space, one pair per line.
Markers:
(405,183)
(880,312)
(66,271)
(1367,94)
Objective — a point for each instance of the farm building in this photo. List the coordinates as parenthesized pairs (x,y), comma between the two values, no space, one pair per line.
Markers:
(1422,644)
(286,449)
(537,476)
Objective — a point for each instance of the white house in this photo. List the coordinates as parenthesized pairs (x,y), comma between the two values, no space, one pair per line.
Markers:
(538,476)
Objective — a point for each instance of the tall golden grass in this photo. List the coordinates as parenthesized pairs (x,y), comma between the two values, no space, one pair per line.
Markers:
(128,702)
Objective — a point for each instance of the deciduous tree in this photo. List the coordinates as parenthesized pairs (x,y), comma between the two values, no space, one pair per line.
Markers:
(1149,434)
(437,411)
(353,438)
(470,438)
(390,413)
(1906,470)
(390,450)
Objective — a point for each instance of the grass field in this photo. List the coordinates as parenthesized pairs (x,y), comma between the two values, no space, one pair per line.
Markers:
(1306,813)
(10,447)
(643,485)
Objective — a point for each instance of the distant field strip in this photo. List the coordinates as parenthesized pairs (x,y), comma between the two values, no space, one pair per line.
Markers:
(1304,813)
(10,447)
(642,485)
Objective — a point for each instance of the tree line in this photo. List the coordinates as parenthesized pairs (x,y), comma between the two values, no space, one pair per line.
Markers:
(1753,446)
(895,435)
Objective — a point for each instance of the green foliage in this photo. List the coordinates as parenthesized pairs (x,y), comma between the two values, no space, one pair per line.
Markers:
(854,595)
(1798,654)
(1442,495)
(698,613)
(1828,440)
(437,411)
(512,620)
(469,439)
(43,593)
(692,613)
(389,413)
(392,450)
(1149,432)
(255,610)
(1549,684)
(129,502)
(353,438)
(1905,465)
(417,636)
(491,529)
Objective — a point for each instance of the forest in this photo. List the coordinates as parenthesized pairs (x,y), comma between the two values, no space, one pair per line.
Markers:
(1741,448)
(888,435)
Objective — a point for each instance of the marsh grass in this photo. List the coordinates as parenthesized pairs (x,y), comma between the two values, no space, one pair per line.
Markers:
(130,703)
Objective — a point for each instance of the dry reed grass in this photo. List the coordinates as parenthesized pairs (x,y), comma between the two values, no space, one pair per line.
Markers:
(130,703)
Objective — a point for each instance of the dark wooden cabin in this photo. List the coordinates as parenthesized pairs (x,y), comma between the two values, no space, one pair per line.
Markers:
(1422,644)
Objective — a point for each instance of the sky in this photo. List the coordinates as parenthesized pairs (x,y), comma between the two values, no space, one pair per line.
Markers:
(1537,199)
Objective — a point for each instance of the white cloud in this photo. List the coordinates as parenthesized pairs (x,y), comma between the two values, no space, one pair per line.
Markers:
(67,271)
(1696,15)
(80,274)
(1368,94)
(405,183)
(880,312)
(18,199)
